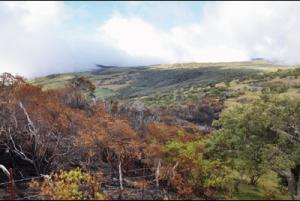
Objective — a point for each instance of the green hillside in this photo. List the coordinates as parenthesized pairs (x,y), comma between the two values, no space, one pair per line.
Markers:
(174,84)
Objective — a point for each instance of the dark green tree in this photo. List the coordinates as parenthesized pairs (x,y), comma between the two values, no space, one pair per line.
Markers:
(79,92)
(262,136)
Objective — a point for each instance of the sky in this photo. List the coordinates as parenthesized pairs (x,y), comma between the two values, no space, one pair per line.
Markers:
(40,38)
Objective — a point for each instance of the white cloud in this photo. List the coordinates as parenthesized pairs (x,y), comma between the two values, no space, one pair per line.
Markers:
(30,37)
(135,37)
(229,31)
(36,40)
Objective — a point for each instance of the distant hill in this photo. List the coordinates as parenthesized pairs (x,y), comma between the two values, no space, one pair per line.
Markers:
(258,59)
(165,84)
(103,66)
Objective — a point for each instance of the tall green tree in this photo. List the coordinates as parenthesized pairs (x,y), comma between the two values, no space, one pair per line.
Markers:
(262,136)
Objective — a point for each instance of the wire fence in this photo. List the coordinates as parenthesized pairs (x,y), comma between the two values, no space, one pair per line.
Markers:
(22,180)
(28,197)
(149,178)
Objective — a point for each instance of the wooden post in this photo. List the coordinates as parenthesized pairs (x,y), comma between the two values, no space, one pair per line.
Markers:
(120,175)
(174,168)
(11,185)
(157,173)
(120,180)
(143,182)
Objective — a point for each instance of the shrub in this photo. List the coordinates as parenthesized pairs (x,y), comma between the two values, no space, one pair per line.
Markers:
(196,174)
(70,185)
(268,194)
(279,88)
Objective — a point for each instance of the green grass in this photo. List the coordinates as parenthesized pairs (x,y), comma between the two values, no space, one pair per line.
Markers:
(268,184)
(175,84)
(247,192)
(104,92)
(52,82)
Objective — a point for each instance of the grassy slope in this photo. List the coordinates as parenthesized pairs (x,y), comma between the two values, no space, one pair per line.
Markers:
(167,84)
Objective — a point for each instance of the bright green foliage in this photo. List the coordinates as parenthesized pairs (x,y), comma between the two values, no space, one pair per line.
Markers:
(71,185)
(201,174)
(260,137)
(267,188)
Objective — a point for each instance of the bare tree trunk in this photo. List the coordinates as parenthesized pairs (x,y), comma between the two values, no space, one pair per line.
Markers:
(293,179)
(298,188)
(254,179)
(236,185)
(34,136)
(291,184)
(174,169)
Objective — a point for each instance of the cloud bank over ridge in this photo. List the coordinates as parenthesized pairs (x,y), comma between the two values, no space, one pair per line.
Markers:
(37,39)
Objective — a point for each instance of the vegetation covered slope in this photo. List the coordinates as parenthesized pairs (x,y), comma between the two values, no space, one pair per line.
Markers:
(214,131)
(165,85)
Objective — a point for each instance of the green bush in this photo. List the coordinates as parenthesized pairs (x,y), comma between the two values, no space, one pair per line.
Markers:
(281,88)
(70,185)
(204,177)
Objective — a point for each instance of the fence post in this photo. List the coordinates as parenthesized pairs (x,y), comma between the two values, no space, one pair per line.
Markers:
(120,175)
(157,174)
(12,194)
(143,182)
(120,180)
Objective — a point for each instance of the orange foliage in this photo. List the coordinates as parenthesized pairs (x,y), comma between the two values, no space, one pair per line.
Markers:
(54,134)
(59,129)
